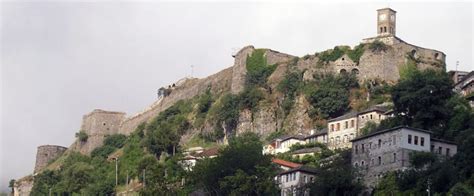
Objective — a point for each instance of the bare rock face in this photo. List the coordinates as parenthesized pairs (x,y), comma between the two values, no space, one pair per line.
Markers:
(298,120)
(265,121)
(245,122)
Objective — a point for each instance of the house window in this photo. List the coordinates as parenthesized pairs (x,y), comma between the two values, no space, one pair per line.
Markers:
(286,177)
(447,152)
(394,157)
(432,148)
(311,178)
(394,140)
(338,127)
(371,116)
(422,141)
(332,127)
(409,139)
(305,179)
(356,164)
(362,164)
(338,140)
(363,148)
(294,176)
(380,116)
(416,140)
(380,143)
(346,124)
(380,160)
(440,149)
(357,149)
(352,123)
(351,136)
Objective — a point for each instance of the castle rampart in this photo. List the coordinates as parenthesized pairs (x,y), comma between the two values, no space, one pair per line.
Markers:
(47,153)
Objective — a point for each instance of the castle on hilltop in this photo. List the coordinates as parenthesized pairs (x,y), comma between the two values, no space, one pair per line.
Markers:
(378,58)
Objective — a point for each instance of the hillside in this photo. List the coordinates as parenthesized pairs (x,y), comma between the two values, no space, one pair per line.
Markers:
(265,92)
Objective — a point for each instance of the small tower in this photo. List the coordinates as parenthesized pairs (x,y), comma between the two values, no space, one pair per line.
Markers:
(386,22)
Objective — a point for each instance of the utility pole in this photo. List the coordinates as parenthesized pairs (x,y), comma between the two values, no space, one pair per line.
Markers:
(116,171)
(144,179)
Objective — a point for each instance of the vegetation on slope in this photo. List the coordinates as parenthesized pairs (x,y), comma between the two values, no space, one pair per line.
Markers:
(424,99)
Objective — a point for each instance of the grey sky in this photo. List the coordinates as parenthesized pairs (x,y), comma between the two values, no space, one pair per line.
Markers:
(62,60)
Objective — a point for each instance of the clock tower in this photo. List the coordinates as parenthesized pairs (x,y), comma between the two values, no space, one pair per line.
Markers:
(386,22)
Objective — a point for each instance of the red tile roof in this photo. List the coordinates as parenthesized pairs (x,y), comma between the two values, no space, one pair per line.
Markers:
(285,163)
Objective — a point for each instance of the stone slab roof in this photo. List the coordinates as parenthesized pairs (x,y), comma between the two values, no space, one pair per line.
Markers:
(345,116)
(302,168)
(388,130)
(307,150)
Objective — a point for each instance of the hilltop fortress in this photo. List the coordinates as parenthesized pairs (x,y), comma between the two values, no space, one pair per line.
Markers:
(378,58)
(382,64)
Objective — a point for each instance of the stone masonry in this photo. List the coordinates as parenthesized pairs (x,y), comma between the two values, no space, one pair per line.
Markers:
(47,153)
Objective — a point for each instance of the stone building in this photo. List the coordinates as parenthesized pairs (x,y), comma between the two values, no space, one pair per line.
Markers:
(348,126)
(457,76)
(465,87)
(293,181)
(45,154)
(377,153)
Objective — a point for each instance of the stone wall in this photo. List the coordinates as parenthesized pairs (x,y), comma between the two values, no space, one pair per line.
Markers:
(372,65)
(23,186)
(45,154)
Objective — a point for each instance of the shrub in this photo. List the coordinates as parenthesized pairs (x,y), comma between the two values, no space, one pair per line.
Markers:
(355,54)
(378,46)
(331,55)
(82,136)
(103,151)
(257,68)
(115,140)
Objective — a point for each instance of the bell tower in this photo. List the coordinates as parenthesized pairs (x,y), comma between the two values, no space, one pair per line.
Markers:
(386,22)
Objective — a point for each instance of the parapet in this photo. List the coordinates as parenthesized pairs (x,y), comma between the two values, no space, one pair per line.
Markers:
(47,153)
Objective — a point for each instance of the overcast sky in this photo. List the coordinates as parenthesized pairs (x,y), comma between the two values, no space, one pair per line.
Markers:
(60,61)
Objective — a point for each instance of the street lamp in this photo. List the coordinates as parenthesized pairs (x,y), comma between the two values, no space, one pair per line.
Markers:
(116,170)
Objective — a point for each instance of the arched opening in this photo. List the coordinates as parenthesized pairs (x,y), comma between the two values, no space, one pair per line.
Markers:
(343,71)
(413,53)
(381,30)
(384,29)
(436,55)
(355,71)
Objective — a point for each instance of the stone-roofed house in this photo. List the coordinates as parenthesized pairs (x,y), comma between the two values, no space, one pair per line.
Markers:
(465,87)
(305,151)
(293,181)
(321,136)
(348,126)
(377,153)
(283,144)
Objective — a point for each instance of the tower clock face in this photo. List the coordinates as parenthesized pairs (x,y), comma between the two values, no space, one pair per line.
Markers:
(382,17)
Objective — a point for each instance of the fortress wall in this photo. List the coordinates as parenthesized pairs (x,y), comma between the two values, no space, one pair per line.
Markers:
(239,69)
(23,186)
(218,83)
(100,122)
(47,153)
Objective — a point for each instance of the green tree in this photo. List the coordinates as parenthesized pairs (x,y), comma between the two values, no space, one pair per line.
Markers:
(420,100)
(11,184)
(336,177)
(240,169)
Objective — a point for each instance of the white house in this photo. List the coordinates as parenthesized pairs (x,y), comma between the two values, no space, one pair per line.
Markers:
(293,181)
